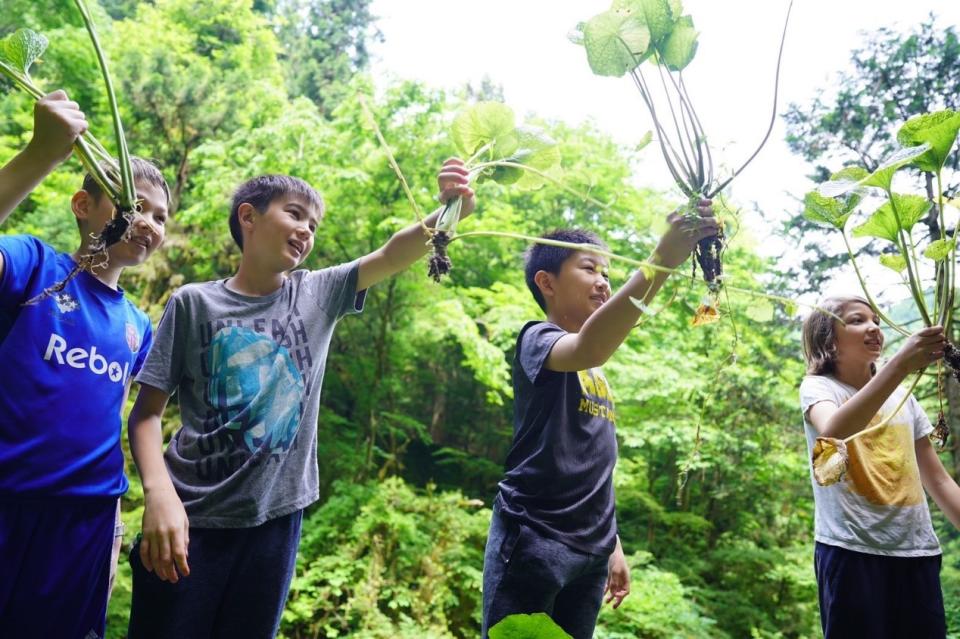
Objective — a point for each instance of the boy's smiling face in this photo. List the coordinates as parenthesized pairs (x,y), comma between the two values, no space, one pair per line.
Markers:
(282,236)
(580,288)
(148,228)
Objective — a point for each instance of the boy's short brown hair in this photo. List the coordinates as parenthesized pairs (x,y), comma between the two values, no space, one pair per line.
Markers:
(260,191)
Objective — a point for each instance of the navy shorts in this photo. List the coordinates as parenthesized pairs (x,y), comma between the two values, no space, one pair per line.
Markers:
(525,572)
(55,567)
(878,597)
(238,584)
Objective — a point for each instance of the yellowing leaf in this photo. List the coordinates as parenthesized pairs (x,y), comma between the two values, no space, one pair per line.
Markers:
(760,310)
(938,250)
(829,461)
(706,314)
(894,261)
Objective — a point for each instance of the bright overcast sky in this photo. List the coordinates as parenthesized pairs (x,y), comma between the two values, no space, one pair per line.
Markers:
(522,46)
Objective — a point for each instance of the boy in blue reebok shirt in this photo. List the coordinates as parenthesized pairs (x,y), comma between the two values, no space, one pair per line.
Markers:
(553,545)
(246,356)
(67,365)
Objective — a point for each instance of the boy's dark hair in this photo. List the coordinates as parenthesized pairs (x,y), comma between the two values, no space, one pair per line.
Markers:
(543,257)
(820,334)
(143,171)
(260,191)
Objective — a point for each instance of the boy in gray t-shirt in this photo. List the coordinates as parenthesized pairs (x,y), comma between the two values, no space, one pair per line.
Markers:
(246,356)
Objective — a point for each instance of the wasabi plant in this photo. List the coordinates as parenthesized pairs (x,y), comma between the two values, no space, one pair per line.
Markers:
(498,150)
(927,143)
(18,52)
(617,43)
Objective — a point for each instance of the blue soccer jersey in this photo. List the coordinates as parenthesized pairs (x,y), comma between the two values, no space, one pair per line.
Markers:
(65,364)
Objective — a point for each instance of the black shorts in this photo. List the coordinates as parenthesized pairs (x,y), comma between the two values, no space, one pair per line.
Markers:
(877,596)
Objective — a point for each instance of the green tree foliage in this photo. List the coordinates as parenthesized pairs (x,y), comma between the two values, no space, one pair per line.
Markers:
(324,43)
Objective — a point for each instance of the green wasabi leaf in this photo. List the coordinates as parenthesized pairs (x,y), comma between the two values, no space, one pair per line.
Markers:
(657,15)
(883,222)
(21,48)
(541,153)
(843,181)
(536,150)
(536,626)
(828,211)
(680,46)
(483,123)
(939,130)
(938,250)
(883,176)
(855,173)
(616,43)
(894,261)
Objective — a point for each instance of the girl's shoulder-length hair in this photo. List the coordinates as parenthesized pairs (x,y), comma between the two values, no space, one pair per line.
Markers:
(820,334)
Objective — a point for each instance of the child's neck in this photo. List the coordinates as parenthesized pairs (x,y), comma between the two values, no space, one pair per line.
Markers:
(855,374)
(564,321)
(253,281)
(109,274)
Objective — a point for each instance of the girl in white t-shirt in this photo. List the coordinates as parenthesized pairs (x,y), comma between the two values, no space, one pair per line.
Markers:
(877,558)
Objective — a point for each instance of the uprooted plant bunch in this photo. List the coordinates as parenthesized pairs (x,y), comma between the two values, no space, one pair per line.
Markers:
(927,141)
(618,42)
(498,150)
(18,52)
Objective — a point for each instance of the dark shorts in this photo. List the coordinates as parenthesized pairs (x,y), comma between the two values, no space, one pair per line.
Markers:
(878,597)
(55,567)
(238,584)
(525,572)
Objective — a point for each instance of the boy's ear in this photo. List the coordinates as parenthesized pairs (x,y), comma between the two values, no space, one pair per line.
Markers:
(81,203)
(545,282)
(246,214)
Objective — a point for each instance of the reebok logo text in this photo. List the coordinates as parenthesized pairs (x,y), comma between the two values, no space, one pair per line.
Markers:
(57,349)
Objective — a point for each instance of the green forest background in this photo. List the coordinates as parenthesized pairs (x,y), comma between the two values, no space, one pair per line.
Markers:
(416,412)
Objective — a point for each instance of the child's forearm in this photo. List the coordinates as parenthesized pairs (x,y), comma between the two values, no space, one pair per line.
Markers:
(403,249)
(856,413)
(20,176)
(408,245)
(947,496)
(146,446)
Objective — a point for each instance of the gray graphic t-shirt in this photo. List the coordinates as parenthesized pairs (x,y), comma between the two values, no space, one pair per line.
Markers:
(247,372)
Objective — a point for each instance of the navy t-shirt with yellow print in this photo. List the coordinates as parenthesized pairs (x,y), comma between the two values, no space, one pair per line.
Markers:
(559,472)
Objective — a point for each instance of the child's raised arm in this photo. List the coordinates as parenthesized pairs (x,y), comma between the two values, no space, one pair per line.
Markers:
(604,331)
(410,244)
(920,350)
(57,123)
(166,530)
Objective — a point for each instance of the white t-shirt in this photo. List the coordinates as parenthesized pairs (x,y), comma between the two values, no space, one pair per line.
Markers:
(879,507)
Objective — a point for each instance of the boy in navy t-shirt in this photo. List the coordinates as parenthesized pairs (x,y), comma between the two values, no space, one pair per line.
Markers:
(553,545)
(67,365)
